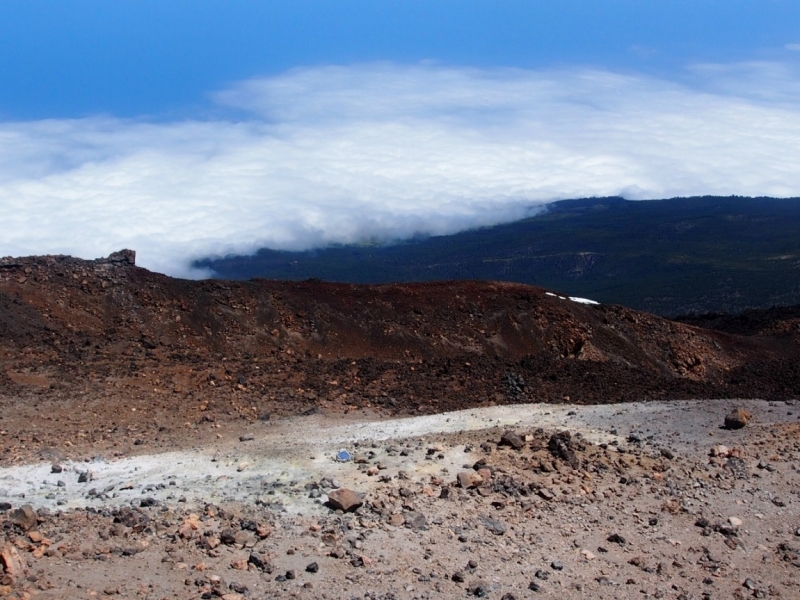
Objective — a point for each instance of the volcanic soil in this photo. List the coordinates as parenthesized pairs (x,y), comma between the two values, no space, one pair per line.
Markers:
(176,439)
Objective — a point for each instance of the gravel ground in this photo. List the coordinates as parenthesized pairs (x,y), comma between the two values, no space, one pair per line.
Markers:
(631,504)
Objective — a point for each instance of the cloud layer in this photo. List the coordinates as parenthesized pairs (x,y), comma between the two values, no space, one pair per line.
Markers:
(380,151)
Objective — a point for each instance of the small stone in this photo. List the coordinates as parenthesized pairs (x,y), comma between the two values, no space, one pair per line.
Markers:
(513,440)
(291,574)
(239,588)
(244,538)
(345,499)
(227,537)
(557,565)
(259,563)
(587,555)
(312,567)
(616,538)
(534,587)
(458,577)
(247,437)
(546,494)
(493,525)
(737,418)
(415,520)
(479,589)
(720,450)
(56,468)
(85,477)
(24,517)
(14,567)
(543,575)
(397,520)
(469,479)
(735,521)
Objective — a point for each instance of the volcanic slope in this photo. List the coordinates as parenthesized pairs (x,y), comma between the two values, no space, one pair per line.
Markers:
(103,356)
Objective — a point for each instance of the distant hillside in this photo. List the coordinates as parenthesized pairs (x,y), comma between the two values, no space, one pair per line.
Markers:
(668,257)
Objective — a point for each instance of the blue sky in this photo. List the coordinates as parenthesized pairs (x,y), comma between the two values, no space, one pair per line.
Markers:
(193,128)
(128,58)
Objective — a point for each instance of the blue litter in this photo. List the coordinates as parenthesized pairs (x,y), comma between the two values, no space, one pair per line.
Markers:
(343,456)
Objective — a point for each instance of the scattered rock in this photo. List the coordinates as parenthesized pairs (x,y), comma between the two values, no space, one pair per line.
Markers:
(493,525)
(616,538)
(560,446)
(345,499)
(512,439)
(24,517)
(415,520)
(12,561)
(737,419)
(469,479)
(546,494)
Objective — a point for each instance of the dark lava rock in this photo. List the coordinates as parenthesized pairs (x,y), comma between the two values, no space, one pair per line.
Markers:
(493,525)
(616,538)
(312,567)
(560,446)
(259,562)
(479,589)
(737,418)
(228,537)
(415,520)
(512,439)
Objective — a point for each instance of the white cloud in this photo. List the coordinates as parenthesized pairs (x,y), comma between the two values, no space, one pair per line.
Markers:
(793,47)
(340,154)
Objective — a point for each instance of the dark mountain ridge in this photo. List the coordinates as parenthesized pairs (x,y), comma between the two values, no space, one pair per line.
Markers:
(666,257)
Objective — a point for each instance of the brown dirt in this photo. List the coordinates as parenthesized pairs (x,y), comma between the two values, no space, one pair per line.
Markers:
(102,359)
(102,356)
